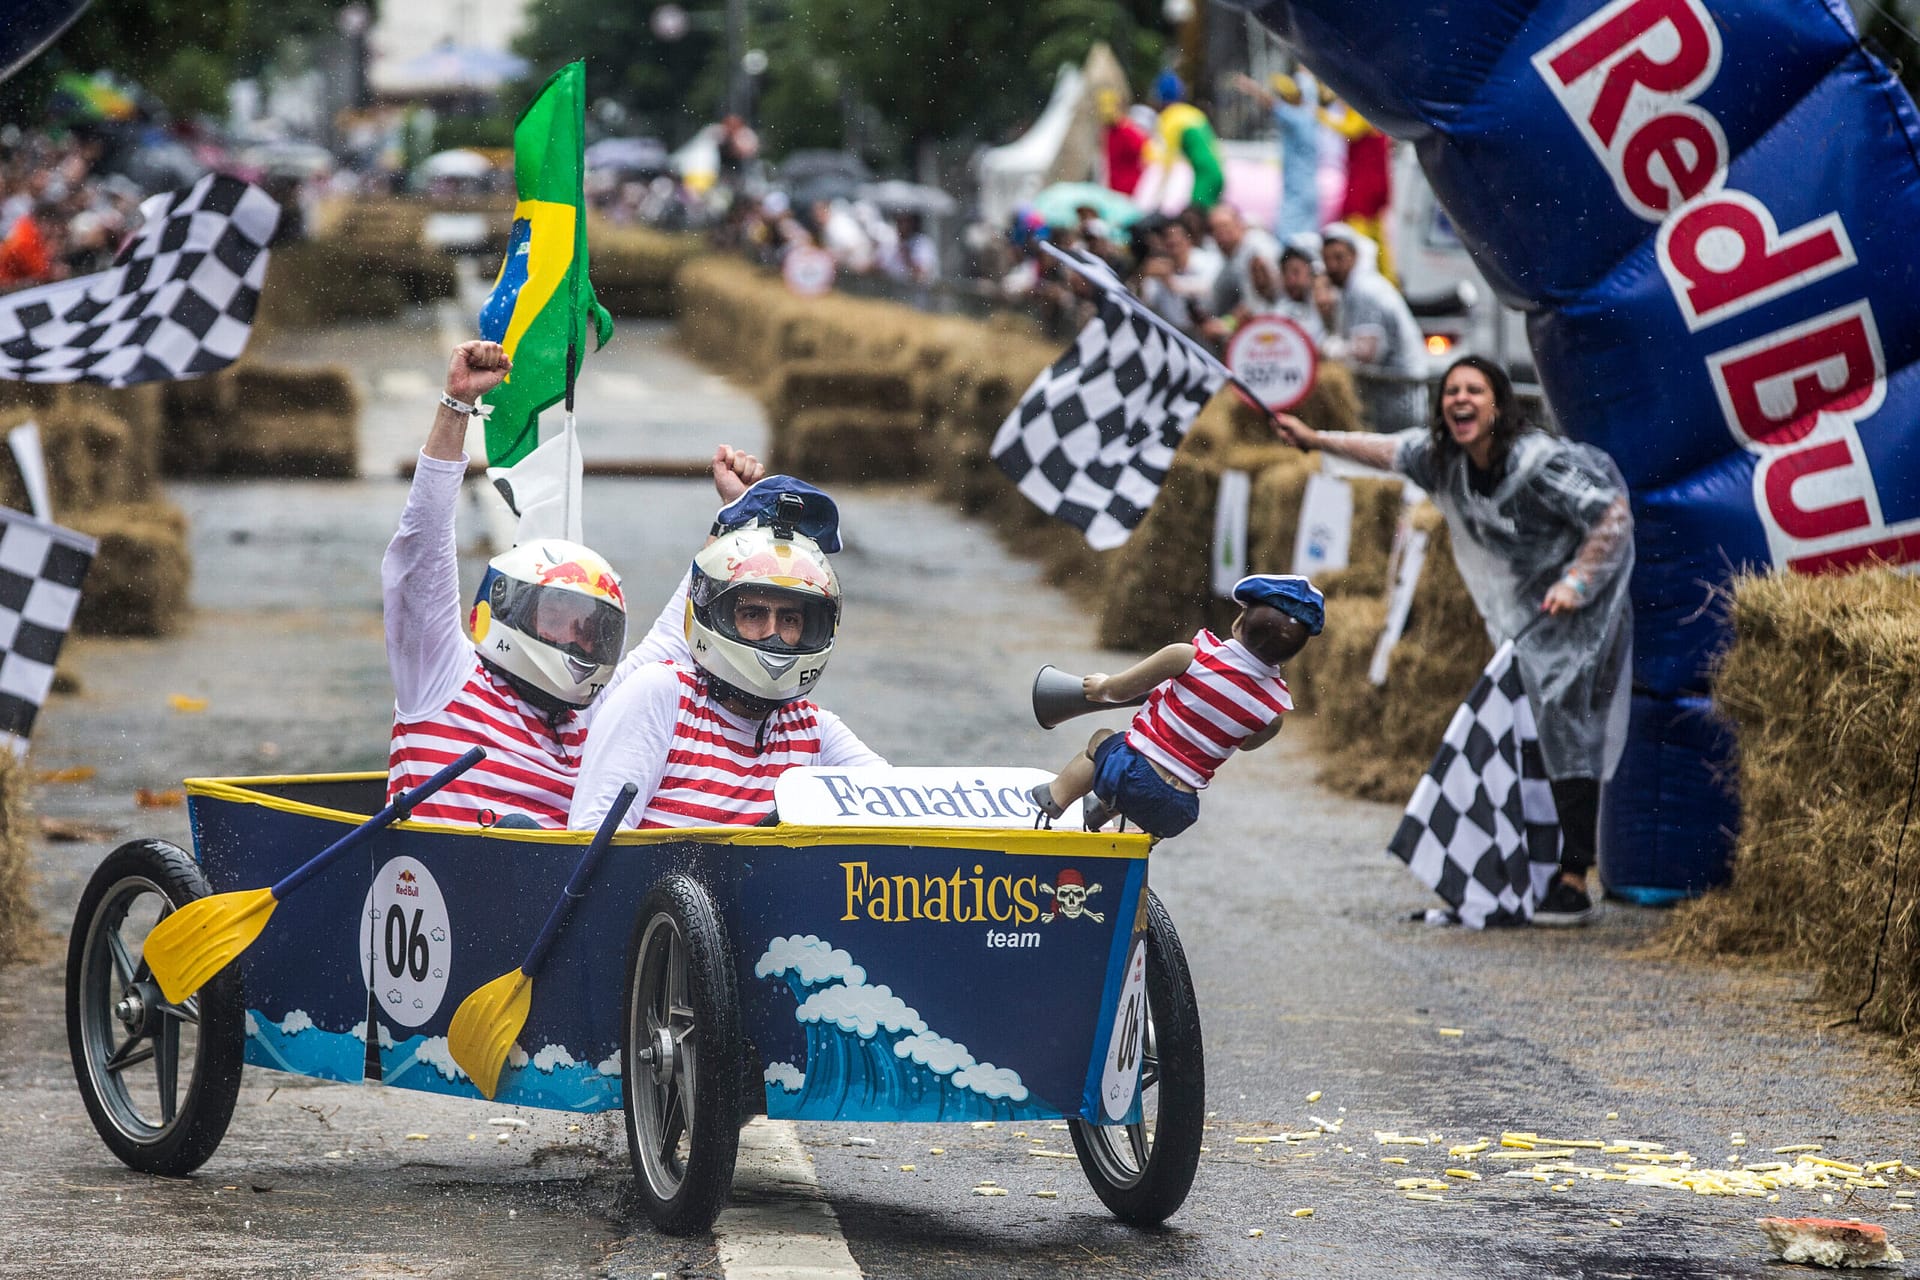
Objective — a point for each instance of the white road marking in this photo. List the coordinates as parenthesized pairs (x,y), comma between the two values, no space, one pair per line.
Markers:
(779,1226)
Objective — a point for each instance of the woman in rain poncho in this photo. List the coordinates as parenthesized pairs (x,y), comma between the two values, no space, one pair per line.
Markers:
(1539,525)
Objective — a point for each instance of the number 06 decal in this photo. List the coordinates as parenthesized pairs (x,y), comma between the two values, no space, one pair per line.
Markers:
(1121,1079)
(405,942)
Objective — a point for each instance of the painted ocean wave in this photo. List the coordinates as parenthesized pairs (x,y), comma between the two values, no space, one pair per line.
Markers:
(870,1055)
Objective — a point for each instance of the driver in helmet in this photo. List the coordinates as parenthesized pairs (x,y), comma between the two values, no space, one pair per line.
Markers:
(549,623)
(705,740)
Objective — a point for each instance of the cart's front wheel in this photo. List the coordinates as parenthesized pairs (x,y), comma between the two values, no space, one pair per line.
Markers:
(159,1079)
(1142,1172)
(682,1052)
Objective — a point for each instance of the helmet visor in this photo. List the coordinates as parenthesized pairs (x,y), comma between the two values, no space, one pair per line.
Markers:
(775,619)
(582,626)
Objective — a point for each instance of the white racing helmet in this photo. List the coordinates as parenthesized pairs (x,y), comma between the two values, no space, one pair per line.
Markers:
(551,617)
(762,611)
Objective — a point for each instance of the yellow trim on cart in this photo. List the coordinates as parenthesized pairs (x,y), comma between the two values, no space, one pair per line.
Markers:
(1012,840)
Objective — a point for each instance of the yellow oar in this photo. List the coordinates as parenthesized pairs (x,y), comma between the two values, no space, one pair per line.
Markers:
(485,1024)
(200,939)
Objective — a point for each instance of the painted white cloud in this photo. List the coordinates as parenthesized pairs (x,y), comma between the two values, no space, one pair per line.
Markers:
(435,1052)
(934,1052)
(253,1028)
(814,960)
(610,1066)
(296,1022)
(786,1075)
(516,1056)
(552,1057)
(863,1009)
(359,1033)
(994,1082)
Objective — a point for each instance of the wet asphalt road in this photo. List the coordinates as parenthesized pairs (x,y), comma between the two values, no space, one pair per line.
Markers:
(1309,978)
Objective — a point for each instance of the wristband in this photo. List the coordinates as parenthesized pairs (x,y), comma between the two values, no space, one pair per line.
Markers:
(1576,585)
(460,407)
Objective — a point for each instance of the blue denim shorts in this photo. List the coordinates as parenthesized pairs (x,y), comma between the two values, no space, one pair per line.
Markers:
(1126,782)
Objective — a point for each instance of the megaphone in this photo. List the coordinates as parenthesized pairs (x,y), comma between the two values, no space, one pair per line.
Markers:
(1057,697)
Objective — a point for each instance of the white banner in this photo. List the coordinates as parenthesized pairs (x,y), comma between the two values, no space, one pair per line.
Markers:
(993,796)
(1325,536)
(1409,557)
(1230,531)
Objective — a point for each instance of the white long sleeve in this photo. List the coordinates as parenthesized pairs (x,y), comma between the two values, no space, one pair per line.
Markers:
(428,654)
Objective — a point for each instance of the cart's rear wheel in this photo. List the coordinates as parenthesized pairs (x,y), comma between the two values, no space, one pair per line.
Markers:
(1142,1172)
(159,1079)
(682,1052)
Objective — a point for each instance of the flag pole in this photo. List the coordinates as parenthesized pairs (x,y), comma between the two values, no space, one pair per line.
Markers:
(574,272)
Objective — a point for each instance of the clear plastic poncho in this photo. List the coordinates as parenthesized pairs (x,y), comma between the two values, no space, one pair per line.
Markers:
(1560,506)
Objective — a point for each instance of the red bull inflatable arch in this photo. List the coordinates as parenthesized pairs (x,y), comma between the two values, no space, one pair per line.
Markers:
(1707,209)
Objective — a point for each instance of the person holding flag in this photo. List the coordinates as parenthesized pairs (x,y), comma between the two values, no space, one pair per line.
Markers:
(1543,537)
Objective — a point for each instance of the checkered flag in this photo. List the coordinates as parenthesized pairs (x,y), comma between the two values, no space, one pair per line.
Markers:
(1481,830)
(177,303)
(1091,440)
(41,567)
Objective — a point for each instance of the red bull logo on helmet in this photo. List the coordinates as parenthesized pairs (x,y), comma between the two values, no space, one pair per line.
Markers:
(595,580)
(780,566)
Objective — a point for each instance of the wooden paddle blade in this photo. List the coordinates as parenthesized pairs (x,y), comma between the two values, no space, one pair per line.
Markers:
(203,937)
(485,1025)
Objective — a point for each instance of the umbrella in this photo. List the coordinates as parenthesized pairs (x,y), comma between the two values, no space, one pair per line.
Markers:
(895,196)
(630,155)
(458,163)
(1057,203)
(806,166)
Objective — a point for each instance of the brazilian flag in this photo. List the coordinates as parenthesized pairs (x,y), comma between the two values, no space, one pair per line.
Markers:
(542,301)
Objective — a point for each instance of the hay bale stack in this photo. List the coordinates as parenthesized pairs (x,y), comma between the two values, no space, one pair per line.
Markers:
(144,410)
(1377,741)
(87,454)
(1160,588)
(1821,681)
(19,938)
(196,414)
(802,385)
(633,268)
(289,421)
(843,444)
(138,583)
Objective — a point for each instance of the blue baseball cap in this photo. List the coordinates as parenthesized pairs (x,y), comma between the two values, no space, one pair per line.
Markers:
(819,518)
(1290,593)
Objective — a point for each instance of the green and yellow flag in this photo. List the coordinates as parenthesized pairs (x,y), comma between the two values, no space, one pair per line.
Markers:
(541,302)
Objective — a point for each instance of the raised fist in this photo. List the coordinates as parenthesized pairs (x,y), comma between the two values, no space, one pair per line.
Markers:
(476,368)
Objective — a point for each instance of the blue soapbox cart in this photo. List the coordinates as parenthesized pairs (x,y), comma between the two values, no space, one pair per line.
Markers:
(833,970)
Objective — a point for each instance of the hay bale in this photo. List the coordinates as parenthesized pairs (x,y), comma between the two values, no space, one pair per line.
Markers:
(291,421)
(20,936)
(87,454)
(1379,740)
(825,445)
(633,268)
(144,409)
(1821,680)
(137,585)
(311,283)
(803,385)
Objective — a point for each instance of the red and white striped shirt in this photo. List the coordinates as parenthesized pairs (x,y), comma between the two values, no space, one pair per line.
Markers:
(1193,722)
(696,763)
(530,766)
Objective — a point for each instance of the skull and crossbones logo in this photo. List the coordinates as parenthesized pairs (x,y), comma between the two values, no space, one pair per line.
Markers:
(1070,892)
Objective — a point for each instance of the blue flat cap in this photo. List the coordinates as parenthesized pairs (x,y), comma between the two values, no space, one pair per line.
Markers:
(819,518)
(1290,593)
